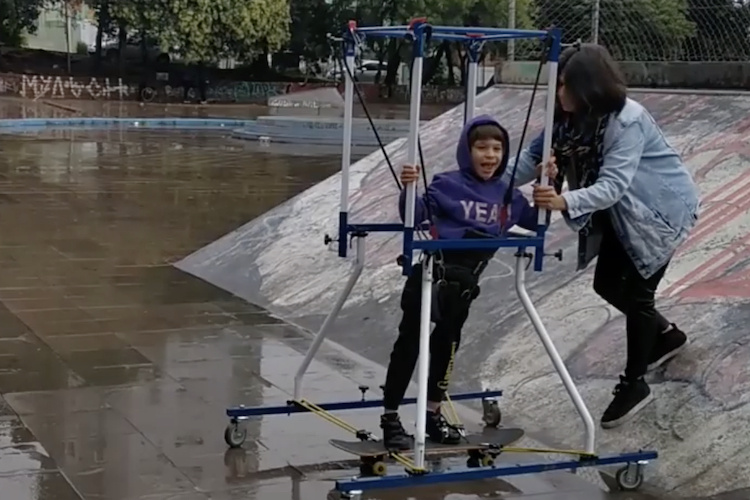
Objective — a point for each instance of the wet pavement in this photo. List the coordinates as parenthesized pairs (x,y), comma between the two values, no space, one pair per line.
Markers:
(116,367)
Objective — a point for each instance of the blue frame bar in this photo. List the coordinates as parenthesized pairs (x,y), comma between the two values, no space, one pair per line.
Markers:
(479,244)
(465,474)
(257,411)
(467,30)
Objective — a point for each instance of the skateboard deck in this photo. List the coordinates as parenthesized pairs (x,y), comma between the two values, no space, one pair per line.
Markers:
(489,438)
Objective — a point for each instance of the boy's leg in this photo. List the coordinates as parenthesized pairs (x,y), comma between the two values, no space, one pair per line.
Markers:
(401,366)
(444,343)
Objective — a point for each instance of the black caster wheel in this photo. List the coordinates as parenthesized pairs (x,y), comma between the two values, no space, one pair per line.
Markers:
(491,415)
(630,477)
(235,435)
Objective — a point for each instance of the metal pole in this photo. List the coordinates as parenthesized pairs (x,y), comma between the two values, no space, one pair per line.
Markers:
(346,154)
(424,326)
(359,264)
(549,121)
(595,21)
(512,25)
(471,82)
(413,142)
(557,361)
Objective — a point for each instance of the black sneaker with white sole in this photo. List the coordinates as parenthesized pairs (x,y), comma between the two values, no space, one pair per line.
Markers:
(631,396)
(668,345)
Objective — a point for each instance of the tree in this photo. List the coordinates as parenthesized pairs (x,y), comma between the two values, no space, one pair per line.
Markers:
(16,18)
(208,30)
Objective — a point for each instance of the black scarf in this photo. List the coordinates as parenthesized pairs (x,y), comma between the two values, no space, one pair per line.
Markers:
(578,149)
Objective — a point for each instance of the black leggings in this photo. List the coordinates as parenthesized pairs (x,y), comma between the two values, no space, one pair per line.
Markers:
(617,281)
(454,300)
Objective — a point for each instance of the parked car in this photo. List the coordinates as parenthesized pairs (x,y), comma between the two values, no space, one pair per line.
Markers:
(363,73)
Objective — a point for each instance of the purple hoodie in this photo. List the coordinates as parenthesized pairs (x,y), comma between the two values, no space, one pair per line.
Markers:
(461,201)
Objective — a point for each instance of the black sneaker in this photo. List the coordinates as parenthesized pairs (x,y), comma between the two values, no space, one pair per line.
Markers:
(668,345)
(395,436)
(630,398)
(440,431)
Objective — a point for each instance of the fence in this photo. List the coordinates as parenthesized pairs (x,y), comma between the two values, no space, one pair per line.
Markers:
(642,30)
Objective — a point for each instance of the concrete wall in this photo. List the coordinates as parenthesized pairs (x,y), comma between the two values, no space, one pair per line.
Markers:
(689,75)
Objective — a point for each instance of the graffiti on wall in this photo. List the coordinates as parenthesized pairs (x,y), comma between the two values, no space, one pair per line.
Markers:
(60,87)
(101,88)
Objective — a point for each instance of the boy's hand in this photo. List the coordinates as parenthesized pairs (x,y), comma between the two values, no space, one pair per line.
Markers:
(409,174)
(547,197)
(551,170)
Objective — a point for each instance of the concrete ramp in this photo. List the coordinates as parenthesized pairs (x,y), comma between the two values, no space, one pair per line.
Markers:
(700,421)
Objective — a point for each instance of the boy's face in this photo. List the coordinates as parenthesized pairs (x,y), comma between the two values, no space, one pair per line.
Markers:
(486,155)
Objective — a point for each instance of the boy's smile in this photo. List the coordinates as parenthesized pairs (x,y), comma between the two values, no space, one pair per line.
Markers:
(485,157)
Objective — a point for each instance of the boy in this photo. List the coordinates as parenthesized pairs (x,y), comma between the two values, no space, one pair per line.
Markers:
(467,202)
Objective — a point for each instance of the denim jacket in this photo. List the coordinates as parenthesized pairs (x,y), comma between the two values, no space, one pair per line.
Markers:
(653,200)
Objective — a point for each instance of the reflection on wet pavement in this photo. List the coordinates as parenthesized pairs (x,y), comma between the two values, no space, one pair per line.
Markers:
(116,368)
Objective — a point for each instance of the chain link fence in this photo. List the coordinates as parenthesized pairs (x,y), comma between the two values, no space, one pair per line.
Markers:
(642,30)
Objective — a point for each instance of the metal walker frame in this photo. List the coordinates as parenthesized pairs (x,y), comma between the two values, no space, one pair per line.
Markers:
(630,477)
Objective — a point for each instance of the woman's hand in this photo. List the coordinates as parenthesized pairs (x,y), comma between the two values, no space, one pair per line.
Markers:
(409,174)
(547,197)
(551,170)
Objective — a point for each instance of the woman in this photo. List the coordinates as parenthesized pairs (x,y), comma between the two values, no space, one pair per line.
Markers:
(631,199)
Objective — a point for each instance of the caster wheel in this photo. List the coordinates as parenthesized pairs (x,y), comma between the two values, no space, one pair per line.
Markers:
(235,435)
(379,468)
(630,477)
(491,412)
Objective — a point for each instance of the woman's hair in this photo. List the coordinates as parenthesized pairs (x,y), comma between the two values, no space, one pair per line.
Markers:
(592,79)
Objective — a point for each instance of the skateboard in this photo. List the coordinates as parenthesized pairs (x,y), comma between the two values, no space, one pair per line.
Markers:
(482,448)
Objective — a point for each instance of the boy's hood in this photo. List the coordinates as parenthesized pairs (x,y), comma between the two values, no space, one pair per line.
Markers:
(463,151)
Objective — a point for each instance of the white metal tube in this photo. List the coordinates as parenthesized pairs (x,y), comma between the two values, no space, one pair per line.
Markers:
(549,122)
(512,26)
(413,145)
(595,21)
(423,366)
(346,154)
(359,264)
(557,361)
(471,90)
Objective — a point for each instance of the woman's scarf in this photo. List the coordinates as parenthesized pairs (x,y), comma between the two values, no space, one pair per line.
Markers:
(579,149)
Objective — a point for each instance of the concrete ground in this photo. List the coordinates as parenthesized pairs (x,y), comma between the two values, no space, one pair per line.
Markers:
(116,368)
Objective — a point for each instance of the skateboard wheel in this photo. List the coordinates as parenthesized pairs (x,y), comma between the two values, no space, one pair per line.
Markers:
(379,468)
(488,461)
(473,463)
(630,477)
(235,435)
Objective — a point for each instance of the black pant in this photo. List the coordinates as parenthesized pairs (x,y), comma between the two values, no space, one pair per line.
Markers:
(453,301)
(617,281)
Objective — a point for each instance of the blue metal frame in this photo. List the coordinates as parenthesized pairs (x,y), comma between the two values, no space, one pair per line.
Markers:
(474,474)
(418,30)
(289,408)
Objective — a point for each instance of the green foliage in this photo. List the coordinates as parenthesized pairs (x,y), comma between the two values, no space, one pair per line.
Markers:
(207,30)
(16,18)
